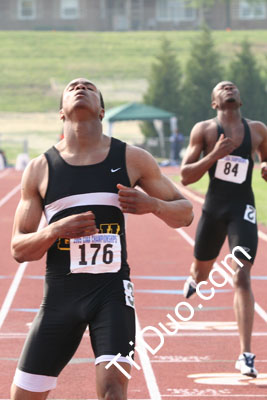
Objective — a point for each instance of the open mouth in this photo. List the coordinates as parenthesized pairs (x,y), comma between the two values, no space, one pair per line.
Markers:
(230,100)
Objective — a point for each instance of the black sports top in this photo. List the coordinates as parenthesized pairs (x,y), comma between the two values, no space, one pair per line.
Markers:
(231,176)
(76,189)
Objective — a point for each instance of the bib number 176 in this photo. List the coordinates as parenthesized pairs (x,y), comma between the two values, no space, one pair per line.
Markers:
(107,254)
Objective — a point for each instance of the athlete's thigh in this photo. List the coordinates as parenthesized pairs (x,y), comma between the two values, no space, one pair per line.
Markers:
(113,327)
(244,233)
(210,235)
(52,341)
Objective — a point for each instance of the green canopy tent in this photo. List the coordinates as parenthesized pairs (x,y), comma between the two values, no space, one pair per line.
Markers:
(141,112)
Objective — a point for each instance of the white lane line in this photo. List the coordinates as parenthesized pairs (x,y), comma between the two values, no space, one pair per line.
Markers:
(11,293)
(200,200)
(146,366)
(14,286)
(9,195)
(259,310)
(11,336)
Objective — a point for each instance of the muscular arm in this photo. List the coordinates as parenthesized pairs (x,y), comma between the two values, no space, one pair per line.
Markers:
(262,150)
(160,196)
(193,168)
(27,242)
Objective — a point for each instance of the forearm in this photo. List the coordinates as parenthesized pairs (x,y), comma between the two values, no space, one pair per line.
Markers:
(32,246)
(176,213)
(192,172)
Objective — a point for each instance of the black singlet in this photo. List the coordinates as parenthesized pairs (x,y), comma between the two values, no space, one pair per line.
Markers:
(75,189)
(229,208)
(101,300)
(219,189)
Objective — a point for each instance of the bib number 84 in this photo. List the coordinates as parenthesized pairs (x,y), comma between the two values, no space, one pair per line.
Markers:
(228,169)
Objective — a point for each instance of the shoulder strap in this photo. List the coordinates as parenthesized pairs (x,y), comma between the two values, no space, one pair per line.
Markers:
(247,136)
(220,129)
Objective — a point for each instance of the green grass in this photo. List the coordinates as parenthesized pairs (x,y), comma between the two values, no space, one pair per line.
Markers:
(259,188)
(30,61)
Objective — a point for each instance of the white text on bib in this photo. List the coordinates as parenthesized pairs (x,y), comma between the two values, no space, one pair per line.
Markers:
(232,169)
(96,254)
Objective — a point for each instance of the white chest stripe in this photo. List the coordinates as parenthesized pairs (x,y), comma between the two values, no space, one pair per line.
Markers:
(97,199)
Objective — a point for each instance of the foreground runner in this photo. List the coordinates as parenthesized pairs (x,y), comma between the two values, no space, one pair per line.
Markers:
(228,143)
(84,185)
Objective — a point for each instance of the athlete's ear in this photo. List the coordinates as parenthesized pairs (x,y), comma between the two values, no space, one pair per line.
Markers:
(214,105)
(102,114)
(61,115)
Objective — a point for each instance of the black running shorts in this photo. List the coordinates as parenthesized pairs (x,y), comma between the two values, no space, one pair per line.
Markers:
(102,302)
(237,222)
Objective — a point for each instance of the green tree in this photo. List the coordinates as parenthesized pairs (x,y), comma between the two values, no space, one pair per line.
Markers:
(247,75)
(164,84)
(203,72)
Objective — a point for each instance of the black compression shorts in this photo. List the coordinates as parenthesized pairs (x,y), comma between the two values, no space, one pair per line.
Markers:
(72,303)
(238,222)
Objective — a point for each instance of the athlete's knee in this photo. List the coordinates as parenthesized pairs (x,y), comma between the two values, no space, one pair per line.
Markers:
(241,279)
(200,270)
(113,392)
(17,393)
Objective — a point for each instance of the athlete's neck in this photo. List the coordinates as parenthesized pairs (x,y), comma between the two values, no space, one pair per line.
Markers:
(82,134)
(229,117)
(83,142)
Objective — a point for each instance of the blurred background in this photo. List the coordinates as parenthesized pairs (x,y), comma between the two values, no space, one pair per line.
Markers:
(168,54)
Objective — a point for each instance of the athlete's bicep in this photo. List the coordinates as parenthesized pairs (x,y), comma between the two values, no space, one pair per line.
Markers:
(195,147)
(262,149)
(29,210)
(156,184)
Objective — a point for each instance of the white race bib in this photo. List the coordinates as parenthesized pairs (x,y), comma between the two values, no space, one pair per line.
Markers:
(232,169)
(95,254)
(250,214)
(129,293)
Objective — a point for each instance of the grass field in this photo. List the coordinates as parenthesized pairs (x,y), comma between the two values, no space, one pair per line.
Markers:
(259,188)
(35,66)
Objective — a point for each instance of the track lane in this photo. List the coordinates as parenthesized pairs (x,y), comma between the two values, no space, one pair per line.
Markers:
(154,250)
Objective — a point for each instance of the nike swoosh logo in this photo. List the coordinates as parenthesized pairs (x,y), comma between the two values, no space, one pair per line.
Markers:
(115,170)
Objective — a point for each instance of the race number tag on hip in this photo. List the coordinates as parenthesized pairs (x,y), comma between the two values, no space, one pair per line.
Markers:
(250,214)
(129,293)
(95,254)
(232,169)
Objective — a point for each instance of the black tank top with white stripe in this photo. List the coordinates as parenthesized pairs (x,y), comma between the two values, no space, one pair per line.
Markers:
(76,189)
(230,177)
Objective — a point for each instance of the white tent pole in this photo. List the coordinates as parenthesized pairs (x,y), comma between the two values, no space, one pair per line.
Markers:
(110,125)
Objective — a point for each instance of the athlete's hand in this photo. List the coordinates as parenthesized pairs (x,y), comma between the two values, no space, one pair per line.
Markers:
(75,226)
(134,201)
(264,170)
(223,147)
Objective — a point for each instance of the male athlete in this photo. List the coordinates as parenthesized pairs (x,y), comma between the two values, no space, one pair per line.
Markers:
(84,185)
(228,143)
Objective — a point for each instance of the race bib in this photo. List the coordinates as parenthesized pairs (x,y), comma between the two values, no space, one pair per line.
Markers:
(250,214)
(96,254)
(129,293)
(232,169)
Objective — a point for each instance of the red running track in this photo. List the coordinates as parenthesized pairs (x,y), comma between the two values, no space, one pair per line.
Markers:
(197,362)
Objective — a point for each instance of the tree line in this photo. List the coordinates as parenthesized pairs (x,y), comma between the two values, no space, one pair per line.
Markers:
(188,93)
